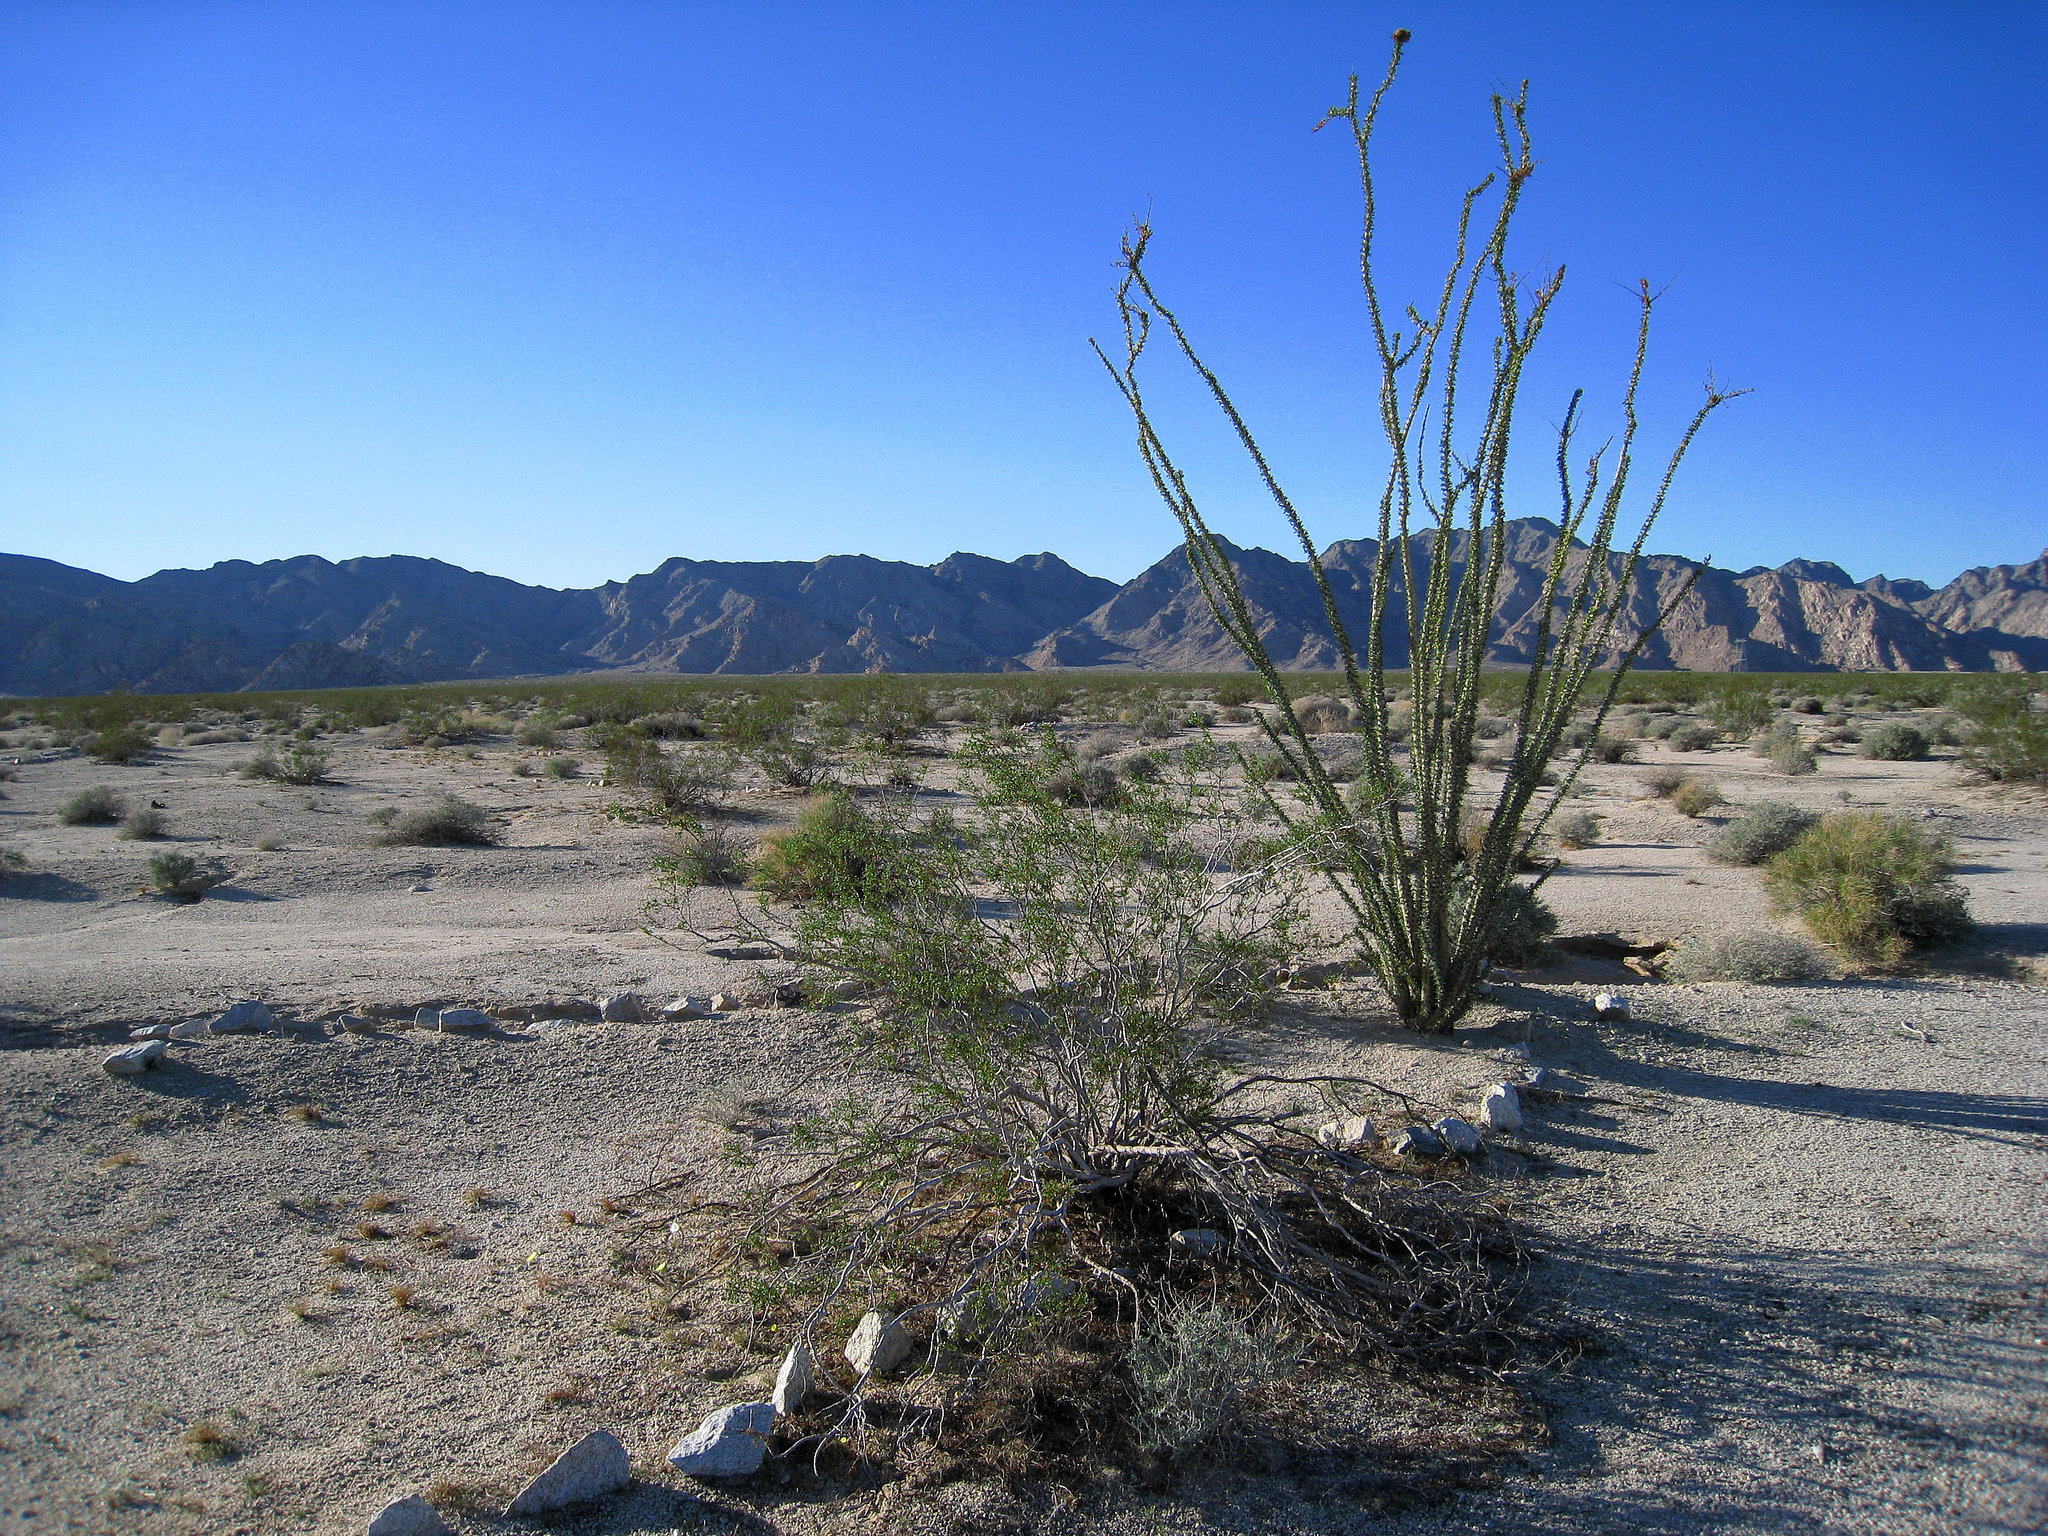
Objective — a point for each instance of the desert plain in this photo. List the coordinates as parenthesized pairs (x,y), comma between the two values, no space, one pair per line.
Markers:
(1797,1229)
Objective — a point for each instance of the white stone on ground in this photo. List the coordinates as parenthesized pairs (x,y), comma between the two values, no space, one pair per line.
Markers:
(132,1059)
(591,1468)
(356,1024)
(463,1018)
(877,1346)
(793,1381)
(150,1032)
(1611,1006)
(409,1516)
(245,1015)
(1501,1110)
(1458,1136)
(622,1008)
(1353,1132)
(730,1443)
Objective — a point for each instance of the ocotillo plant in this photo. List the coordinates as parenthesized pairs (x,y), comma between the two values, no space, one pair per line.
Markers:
(1423,901)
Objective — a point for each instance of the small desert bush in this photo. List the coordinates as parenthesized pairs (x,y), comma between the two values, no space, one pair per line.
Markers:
(1575,829)
(1088,784)
(1614,748)
(448,822)
(12,862)
(537,731)
(1192,1371)
(707,854)
(1763,954)
(817,856)
(1894,742)
(142,825)
(562,768)
(1522,925)
(1760,833)
(675,784)
(383,816)
(118,744)
(300,765)
(1691,738)
(182,877)
(1871,887)
(98,806)
(1665,782)
(1695,798)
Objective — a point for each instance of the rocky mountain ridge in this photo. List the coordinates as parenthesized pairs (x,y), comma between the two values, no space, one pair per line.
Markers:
(309,622)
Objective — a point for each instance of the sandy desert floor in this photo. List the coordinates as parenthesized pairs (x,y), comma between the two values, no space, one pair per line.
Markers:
(1807,1233)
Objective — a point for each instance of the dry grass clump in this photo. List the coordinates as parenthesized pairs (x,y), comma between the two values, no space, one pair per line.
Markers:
(1758,955)
(1191,1370)
(1696,797)
(142,825)
(448,822)
(1575,829)
(403,1297)
(307,1114)
(562,768)
(708,853)
(207,1441)
(476,1197)
(380,1202)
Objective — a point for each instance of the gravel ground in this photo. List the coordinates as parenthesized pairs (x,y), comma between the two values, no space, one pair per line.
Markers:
(1801,1225)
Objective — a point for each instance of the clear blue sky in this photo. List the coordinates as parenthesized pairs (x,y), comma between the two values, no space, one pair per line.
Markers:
(560,290)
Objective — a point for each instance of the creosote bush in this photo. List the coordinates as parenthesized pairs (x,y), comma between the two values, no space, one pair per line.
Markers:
(821,855)
(94,807)
(119,744)
(448,822)
(1760,833)
(1691,738)
(1575,829)
(1894,742)
(1872,887)
(562,768)
(706,854)
(2005,739)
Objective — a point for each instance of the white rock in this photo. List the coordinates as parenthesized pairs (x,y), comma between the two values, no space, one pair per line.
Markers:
(1418,1141)
(356,1024)
(591,1468)
(793,1381)
(1196,1243)
(1612,1007)
(150,1032)
(132,1059)
(418,890)
(1459,1136)
(1501,1109)
(723,1002)
(243,1016)
(427,1018)
(878,1346)
(1535,1077)
(192,1029)
(1519,1051)
(622,1008)
(731,1443)
(1353,1132)
(409,1516)
(685,1008)
(463,1018)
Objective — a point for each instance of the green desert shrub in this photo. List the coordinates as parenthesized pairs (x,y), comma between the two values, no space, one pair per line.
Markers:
(12,862)
(142,825)
(1522,924)
(537,731)
(2005,739)
(448,822)
(1872,887)
(300,765)
(119,743)
(823,855)
(383,816)
(1896,742)
(675,784)
(1762,954)
(1695,797)
(1760,833)
(182,877)
(1666,782)
(562,768)
(98,806)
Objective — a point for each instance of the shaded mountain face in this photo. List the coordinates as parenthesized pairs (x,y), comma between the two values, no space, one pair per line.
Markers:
(311,623)
(1803,616)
